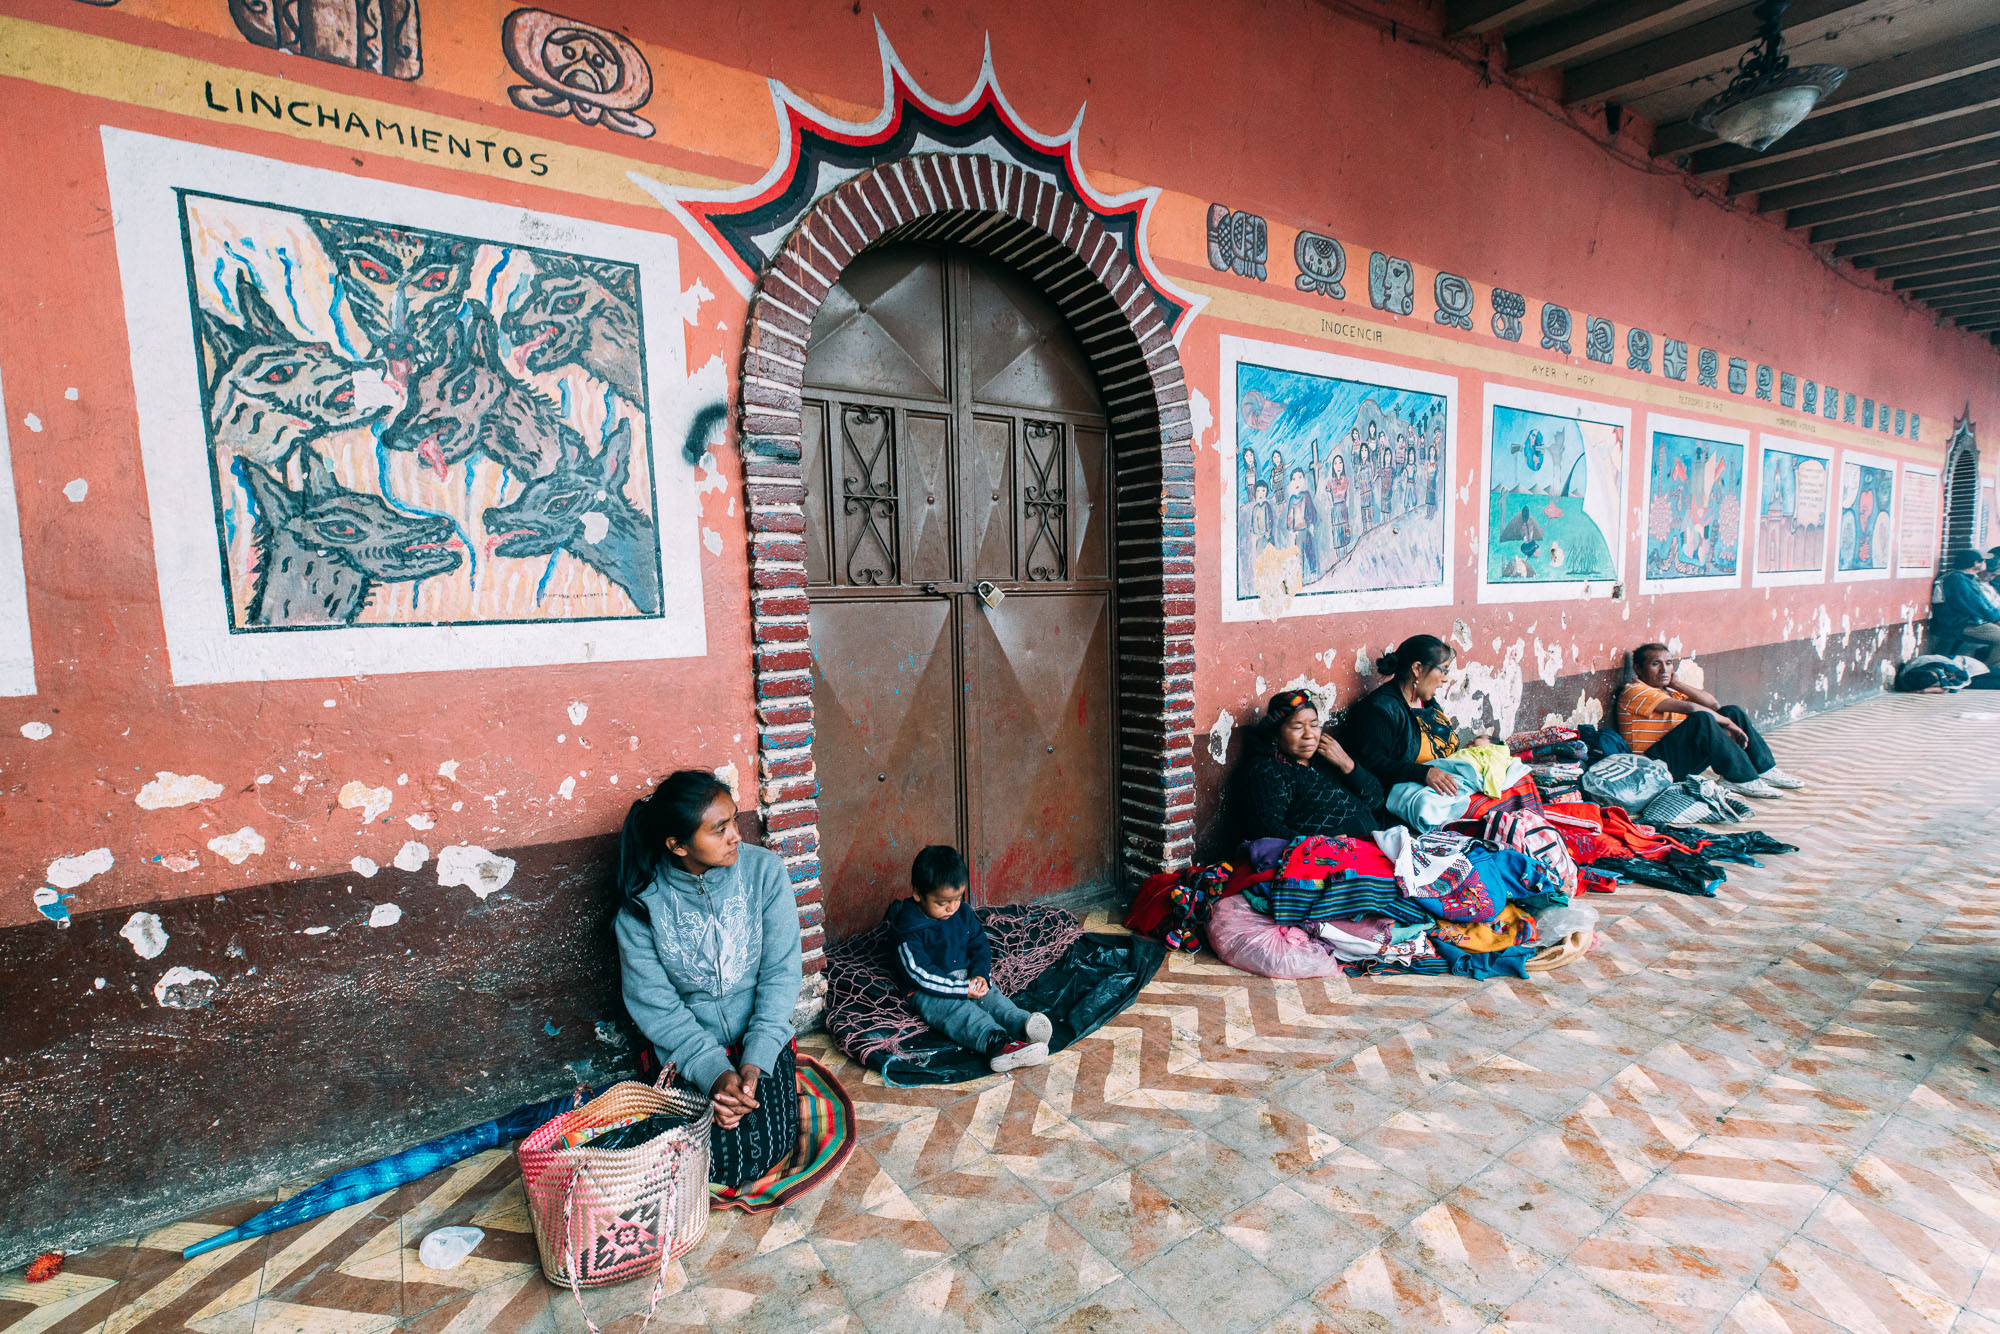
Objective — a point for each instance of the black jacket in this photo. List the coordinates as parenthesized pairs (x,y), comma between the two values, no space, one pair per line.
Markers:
(1278,797)
(940,957)
(1382,735)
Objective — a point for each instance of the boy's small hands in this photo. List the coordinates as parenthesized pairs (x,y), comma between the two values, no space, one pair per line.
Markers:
(976,988)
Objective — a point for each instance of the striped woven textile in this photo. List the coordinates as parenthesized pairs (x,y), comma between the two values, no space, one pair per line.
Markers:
(1336,898)
(826,1138)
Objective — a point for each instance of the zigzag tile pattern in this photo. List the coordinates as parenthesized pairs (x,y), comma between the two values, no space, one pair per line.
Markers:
(1776,1112)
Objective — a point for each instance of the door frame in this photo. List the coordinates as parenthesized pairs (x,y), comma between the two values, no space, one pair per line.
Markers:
(1028,224)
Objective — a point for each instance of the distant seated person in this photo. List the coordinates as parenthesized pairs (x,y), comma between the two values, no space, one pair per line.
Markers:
(1966,608)
(1688,730)
(946,966)
(1295,780)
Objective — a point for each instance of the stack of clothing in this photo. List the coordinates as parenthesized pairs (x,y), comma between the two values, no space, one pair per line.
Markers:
(1554,756)
(1606,839)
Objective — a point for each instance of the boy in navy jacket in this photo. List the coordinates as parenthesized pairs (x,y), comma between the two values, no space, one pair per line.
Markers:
(946,966)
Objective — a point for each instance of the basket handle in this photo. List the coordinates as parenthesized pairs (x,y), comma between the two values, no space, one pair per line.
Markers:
(669,1209)
(667,1073)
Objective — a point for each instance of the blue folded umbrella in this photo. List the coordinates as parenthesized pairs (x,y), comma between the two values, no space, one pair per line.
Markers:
(385,1174)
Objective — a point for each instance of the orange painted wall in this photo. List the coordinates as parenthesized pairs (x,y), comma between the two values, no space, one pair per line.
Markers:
(1288,110)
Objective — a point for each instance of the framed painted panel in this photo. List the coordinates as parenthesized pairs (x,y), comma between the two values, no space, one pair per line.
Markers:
(1917,521)
(17,652)
(1337,474)
(1867,517)
(405,431)
(1794,506)
(1694,506)
(1553,522)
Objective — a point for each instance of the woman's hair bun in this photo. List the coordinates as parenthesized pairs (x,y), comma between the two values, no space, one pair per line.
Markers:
(1386,665)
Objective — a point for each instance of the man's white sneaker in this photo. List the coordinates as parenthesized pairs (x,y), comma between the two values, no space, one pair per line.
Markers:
(1777,777)
(1756,787)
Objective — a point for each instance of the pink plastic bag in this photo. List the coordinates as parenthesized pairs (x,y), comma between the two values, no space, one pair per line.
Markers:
(1245,938)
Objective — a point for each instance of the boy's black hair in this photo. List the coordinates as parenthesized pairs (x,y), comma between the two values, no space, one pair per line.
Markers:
(937,866)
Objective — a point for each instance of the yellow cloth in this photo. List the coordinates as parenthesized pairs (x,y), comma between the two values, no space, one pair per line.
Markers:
(1492,762)
(1512,927)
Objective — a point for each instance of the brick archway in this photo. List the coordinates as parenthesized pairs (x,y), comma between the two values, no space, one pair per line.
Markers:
(1020,220)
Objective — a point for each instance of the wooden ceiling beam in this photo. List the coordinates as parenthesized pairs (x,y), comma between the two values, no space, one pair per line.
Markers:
(1971,259)
(1469,16)
(1618,77)
(1985,220)
(1954,56)
(1979,287)
(1988,275)
(1956,245)
(1966,305)
(1594,28)
(1951,97)
(1945,133)
(1874,224)
(1893,198)
(1861,180)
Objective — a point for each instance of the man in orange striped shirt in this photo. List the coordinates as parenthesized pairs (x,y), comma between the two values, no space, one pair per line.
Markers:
(1689,730)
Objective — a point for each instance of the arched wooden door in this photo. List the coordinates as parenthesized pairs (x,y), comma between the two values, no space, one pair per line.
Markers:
(959,557)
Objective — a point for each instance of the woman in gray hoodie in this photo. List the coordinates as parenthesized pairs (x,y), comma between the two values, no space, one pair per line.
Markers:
(708,952)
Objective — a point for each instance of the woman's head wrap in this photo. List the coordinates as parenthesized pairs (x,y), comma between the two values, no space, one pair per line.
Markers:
(1284,704)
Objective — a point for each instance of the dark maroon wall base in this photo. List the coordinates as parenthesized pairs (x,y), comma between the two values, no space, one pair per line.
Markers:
(317,1050)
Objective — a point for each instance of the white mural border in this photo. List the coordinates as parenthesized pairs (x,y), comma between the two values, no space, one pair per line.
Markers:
(1657,423)
(17,646)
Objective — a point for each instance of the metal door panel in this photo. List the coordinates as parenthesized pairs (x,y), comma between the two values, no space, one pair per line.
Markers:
(1089,506)
(1043,807)
(880,330)
(812,463)
(885,687)
(1020,352)
(926,497)
(987,494)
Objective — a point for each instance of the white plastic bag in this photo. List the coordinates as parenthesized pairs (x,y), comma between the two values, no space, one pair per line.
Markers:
(447,1247)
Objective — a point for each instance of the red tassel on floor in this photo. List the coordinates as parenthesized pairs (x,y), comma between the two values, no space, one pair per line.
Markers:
(44,1267)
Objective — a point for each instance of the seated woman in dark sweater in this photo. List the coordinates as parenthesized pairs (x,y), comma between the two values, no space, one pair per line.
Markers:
(1295,779)
(1396,730)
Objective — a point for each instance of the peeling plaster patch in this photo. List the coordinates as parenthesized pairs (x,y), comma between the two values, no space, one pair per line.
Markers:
(692,299)
(595,526)
(1589,711)
(370,801)
(1323,693)
(54,905)
(1461,634)
(315,930)
(385,914)
(421,820)
(329,704)
(1258,688)
(449,769)
(1363,664)
(1888,674)
(712,540)
(37,731)
(265,778)
(1908,643)
(179,861)
(727,773)
(1201,416)
(474,867)
(1218,736)
(1548,662)
(69,872)
(33,423)
(184,988)
(238,847)
(1822,630)
(566,789)
(70,393)
(1277,574)
(1798,711)
(1840,671)
(364,867)
(578,711)
(146,933)
(76,490)
(412,856)
(1497,692)
(608,1034)
(1691,672)
(97,984)
(172,789)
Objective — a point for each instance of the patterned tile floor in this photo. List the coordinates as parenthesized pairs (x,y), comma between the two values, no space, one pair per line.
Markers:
(1776,1112)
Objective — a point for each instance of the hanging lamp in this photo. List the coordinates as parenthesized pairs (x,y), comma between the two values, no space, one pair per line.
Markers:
(1768,95)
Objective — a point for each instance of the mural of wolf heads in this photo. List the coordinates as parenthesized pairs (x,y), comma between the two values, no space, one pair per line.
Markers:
(403,286)
(269,391)
(465,402)
(322,550)
(581,508)
(584,312)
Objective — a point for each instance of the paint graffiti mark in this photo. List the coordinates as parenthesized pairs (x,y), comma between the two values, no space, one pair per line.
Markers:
(708,419)
(69,872)
(148,936)
(169,789)
(370,801)
(184,988)
(473,867)
(384,914)
(238,847)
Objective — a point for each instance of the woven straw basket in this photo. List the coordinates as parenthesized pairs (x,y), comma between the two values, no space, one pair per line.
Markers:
(609,1215)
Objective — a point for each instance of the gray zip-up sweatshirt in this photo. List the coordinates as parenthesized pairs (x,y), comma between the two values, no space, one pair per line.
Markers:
(715,962)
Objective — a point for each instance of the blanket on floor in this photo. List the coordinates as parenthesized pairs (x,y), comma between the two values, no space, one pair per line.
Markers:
(826,1137)
(1042,958)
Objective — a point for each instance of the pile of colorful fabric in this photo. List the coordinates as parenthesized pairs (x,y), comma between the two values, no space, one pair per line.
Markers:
(1607,840)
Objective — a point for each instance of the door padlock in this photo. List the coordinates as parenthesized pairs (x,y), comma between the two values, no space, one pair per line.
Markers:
(990,593)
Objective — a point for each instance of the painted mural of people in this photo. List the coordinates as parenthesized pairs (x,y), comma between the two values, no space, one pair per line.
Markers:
(1263,525)
(1364,488)
(1434,473)
(1385,482)
(1338,519)
(1299,522)
(1275,474)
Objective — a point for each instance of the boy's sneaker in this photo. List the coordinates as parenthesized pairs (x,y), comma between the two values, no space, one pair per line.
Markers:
(1039,1028)
(1777,777)
(1756,787)
(1014,1055)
